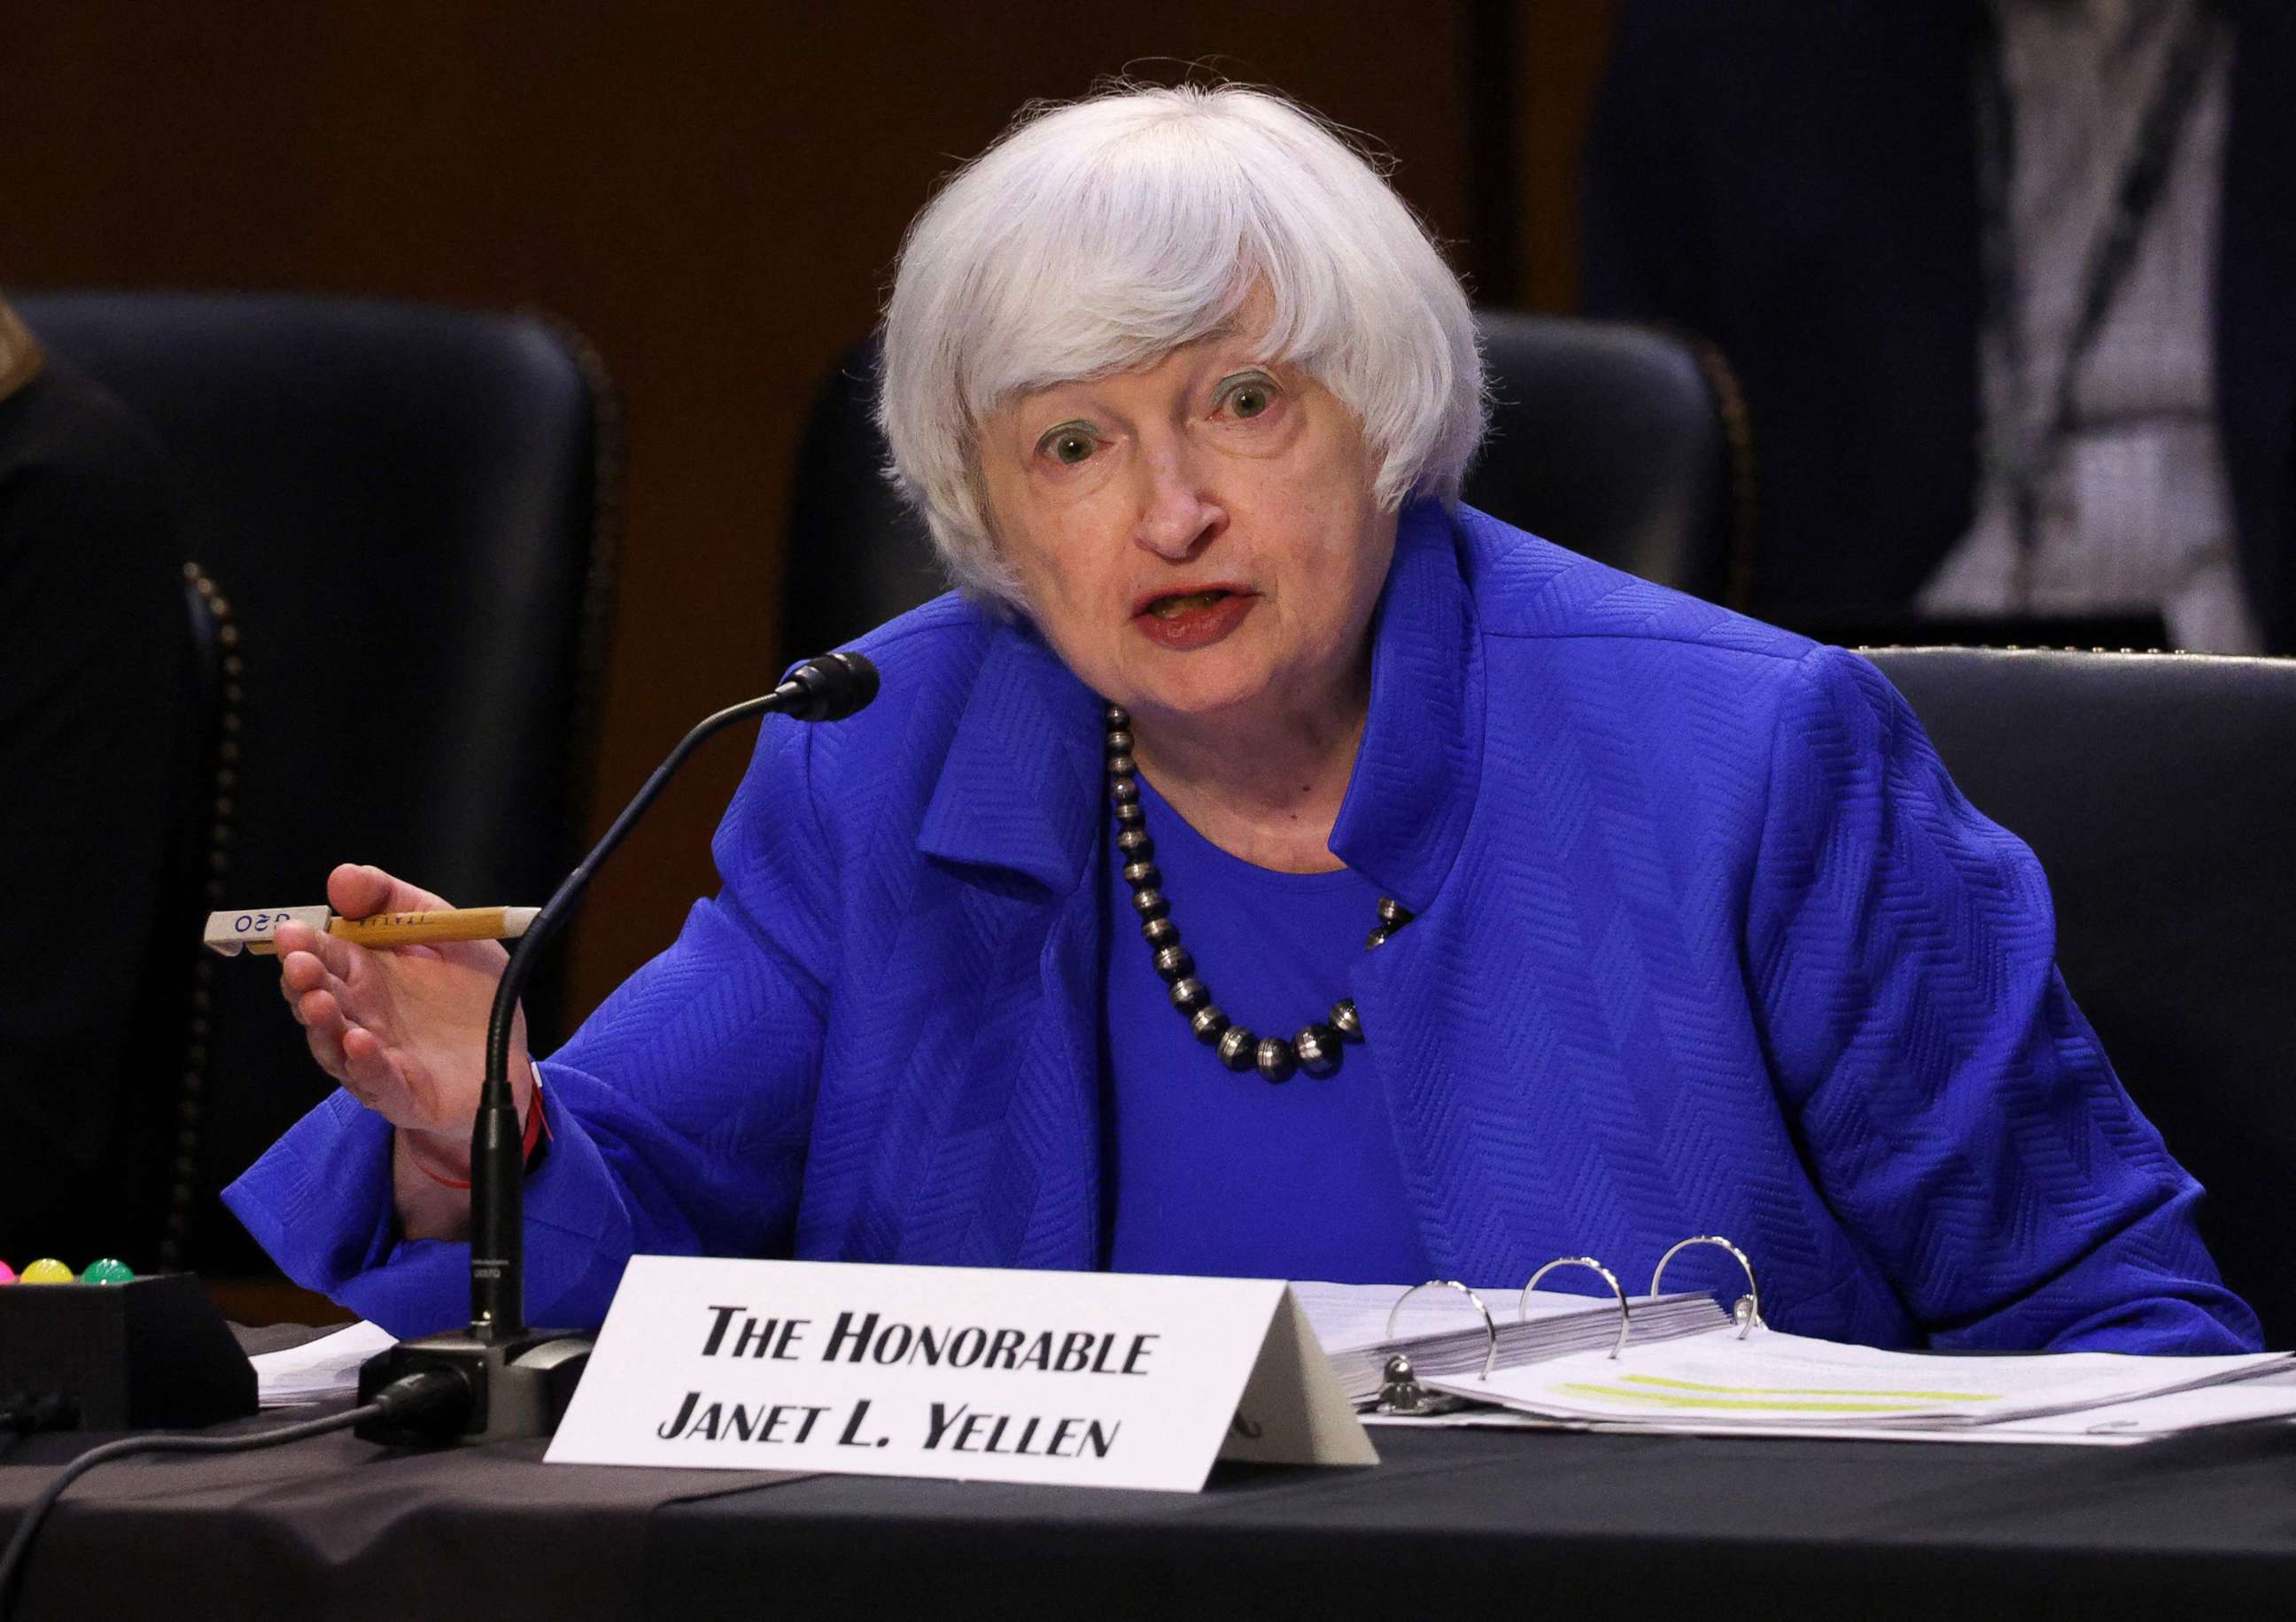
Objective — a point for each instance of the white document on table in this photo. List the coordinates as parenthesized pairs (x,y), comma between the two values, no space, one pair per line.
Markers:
(318,1369)
(1779,1384)
(2269,1398)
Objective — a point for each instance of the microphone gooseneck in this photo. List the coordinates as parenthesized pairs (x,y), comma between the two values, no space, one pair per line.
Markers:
(829,688)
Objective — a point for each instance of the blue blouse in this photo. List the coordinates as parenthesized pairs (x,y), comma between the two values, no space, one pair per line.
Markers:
(1216,1173)
(1706,942)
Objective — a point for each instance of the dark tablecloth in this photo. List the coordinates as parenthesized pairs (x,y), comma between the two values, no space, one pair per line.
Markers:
(1539,1524)
(337,1528)
(1542,1524)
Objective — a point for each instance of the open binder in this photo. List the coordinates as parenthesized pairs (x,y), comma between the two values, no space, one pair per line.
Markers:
(1774,1384)
(1677,1363)
(1452,1331)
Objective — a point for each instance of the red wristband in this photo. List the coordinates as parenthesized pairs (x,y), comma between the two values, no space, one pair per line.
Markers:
(537,1126)
(538,1129)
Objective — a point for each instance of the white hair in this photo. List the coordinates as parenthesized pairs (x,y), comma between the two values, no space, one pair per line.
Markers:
(1098,237)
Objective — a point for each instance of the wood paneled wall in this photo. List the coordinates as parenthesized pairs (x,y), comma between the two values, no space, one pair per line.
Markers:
(713,191)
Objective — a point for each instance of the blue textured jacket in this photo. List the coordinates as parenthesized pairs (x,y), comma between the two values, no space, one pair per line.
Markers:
(1708,943)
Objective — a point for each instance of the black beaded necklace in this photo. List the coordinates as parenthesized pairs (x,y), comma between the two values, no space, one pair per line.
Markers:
(1316,1047)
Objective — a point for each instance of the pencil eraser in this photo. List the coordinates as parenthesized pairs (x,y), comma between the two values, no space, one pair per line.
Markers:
(257,927)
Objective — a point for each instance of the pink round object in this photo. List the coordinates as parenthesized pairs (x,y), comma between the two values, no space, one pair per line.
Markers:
(7,1274)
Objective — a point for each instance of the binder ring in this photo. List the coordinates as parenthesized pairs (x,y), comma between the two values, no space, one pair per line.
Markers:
(1490,1330)
(1522,1302)
(1747,1309)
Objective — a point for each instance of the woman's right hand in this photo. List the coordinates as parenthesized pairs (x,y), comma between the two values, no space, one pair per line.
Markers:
(403,1030)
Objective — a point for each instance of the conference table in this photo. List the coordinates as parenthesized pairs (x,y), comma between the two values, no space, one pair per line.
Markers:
(1452,1521)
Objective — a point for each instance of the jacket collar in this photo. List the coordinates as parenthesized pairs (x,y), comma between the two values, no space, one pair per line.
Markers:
(1021,787)
(1421,763)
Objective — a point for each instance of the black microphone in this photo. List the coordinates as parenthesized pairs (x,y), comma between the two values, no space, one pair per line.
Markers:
(522,1378)
(829,688)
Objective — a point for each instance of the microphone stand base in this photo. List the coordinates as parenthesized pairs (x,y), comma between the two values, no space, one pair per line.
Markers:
(519,1386)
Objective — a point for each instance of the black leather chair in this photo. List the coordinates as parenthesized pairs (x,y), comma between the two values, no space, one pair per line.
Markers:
(1620,441)
(2160,792)
(173,1015)
(412,510)
(855,554)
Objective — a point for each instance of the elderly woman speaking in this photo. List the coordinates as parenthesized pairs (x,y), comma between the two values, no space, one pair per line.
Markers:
(1266,865)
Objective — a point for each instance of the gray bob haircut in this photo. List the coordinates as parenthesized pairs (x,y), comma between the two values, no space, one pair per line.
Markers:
(1098,237)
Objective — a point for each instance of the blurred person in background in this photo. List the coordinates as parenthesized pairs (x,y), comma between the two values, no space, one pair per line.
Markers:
(94,719)
(2005,282)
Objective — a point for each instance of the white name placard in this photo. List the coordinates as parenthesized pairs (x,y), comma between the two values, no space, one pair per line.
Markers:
(1086,1378)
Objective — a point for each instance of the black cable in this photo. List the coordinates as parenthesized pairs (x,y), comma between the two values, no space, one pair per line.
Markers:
(401,1399)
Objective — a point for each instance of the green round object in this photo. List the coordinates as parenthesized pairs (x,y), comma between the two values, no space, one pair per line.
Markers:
(109,1270)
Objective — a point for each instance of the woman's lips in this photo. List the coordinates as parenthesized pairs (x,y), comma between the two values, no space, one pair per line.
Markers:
(1181,620)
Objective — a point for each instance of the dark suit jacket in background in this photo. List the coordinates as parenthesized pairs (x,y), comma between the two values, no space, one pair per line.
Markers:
(95,697)
(1796,180)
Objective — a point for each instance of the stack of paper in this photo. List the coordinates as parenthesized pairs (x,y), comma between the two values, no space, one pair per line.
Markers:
(318,1369)
(1777,1383)
(1443,1334)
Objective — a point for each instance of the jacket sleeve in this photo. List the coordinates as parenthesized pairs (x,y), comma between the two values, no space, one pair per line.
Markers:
(1954,1108)
(679,1112)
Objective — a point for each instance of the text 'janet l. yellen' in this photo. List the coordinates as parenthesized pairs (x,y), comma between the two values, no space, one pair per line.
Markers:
(868,1339)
